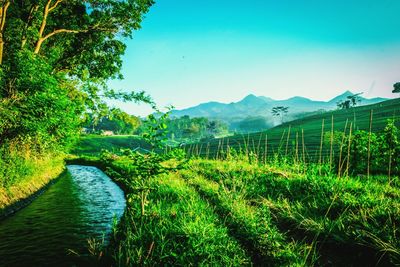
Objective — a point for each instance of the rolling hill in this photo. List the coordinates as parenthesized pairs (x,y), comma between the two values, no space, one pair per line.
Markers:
(275,139)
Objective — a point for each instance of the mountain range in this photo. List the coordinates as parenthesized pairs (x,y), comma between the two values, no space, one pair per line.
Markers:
(261,106)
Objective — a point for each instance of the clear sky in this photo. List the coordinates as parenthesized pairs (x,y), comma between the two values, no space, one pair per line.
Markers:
(189,52)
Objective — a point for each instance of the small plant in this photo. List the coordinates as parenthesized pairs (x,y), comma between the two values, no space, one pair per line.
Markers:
(155,129)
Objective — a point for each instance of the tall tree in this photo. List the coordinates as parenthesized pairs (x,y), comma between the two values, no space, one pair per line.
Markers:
(56,57)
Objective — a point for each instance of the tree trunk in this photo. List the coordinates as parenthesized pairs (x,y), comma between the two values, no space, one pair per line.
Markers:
(3,15)
(46,12)
(42,37)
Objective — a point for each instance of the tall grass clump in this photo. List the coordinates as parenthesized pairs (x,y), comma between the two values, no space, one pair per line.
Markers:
(328,213)
(177,227)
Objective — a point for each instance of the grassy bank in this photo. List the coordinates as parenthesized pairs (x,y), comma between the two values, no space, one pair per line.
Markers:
(31,175)
(234,212)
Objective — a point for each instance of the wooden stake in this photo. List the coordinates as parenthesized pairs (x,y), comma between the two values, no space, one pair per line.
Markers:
(287,142)
(341,149)
(348,152)
(304,148)
(320,147)
(266,149)
(228,150)
(297,147)
(369,142)
(331,148)
(219,144)
(281,141)
(259,144)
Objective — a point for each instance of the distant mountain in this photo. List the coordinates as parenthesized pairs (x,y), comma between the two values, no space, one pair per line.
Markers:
(256,106)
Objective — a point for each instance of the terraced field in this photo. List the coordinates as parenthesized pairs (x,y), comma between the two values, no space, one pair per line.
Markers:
(289,137)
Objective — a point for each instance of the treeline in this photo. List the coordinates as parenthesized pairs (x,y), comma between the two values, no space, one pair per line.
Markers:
(55,59)
(182,129)
(116,121)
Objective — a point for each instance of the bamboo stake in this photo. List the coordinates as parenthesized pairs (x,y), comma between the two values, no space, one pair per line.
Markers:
(219,144)
(190,150)
(266,149)
(248,142)
(228,150)
(348,152)
(287,142)
(201,147)
(320,147)
(259,144)
(390,165)
(246,149)
(331,148)
(304,148)
(341,149)
(369,142)
(281,141)
(222,147)
(297,147)
(390,153)
(254,150)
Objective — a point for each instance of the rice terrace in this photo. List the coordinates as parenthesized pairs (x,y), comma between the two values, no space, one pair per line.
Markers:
(267,134)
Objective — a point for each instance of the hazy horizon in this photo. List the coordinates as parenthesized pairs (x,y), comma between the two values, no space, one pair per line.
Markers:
(186,53)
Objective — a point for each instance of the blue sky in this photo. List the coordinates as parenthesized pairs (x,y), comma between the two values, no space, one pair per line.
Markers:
(189,52)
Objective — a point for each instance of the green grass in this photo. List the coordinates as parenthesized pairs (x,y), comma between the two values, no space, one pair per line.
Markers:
(22,177)
(277,137)
(251,225)
(179,229)
(92,145)
(241,211)
(233,212)
(330,214)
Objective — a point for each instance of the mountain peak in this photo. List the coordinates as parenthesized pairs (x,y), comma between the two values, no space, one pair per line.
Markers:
(252,100)
(249,97)
(341,96)
(347,93)
(298,98)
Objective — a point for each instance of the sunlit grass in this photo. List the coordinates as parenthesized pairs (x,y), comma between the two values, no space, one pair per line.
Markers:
(179,229)
(38,173)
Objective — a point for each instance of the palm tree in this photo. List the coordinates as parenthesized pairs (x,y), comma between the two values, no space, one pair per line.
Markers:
(279,111)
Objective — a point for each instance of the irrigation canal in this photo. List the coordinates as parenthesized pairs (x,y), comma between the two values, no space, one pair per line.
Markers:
(83,204)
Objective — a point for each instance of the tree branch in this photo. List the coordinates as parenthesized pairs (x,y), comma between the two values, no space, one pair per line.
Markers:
(44,21)
(61,31)
(55,5)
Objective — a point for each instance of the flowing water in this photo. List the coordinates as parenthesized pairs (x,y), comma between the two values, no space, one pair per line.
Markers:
(55,227)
